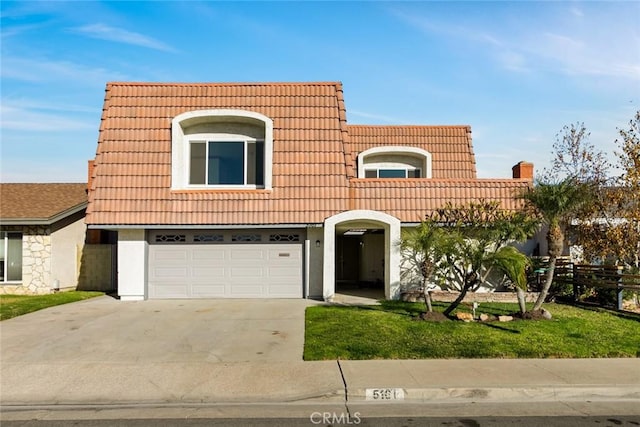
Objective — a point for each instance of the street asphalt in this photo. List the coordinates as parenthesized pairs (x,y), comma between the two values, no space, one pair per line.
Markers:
(225,357)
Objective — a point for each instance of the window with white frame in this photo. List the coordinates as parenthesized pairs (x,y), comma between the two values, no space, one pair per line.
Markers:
(226,163)
(220,149)
(10,257)
(394,162)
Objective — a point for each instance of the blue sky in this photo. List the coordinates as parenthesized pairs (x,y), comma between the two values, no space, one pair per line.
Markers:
(517,72)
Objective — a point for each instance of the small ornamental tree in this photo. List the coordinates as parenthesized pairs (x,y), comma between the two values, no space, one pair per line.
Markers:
(556,204)
(460,246)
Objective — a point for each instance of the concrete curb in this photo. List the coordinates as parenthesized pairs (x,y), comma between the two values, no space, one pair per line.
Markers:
(581,393)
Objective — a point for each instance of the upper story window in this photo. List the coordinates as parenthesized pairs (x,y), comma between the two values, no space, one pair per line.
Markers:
(226,162)
(221,149)
(394,162)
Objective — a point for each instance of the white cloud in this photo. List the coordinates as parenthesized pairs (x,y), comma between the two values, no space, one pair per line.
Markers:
(44,70)
(106,32)
(16,117)
(597,41)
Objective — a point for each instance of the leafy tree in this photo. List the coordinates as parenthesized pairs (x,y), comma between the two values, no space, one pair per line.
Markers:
(575,157)
(421,246)
(610,228)
(463,245)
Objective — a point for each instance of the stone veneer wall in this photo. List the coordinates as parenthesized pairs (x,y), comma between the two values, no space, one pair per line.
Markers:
(36,261)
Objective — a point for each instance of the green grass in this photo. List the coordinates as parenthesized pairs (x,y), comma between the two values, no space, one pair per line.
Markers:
(389,331)
(17,305)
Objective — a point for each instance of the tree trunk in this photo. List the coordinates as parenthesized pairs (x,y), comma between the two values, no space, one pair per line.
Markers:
(426,295)
(457,301)
(521,300)
(547,284)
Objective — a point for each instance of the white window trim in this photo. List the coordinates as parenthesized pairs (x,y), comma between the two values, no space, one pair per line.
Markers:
(180,144)
(424,155)
(4,241)
(206,138)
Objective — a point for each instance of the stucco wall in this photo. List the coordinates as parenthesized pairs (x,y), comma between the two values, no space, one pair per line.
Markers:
(372,262)
(67,241)
(315,261)
(96,267)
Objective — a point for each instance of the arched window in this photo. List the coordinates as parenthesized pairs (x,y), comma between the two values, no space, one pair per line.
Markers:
(394,162)
(221,149)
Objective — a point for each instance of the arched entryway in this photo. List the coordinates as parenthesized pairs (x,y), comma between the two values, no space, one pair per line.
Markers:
(345,234)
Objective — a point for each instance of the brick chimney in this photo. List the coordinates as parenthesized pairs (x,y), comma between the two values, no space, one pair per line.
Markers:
(523,170)
(90,174)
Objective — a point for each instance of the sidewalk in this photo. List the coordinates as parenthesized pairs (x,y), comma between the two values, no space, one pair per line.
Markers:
(418,381)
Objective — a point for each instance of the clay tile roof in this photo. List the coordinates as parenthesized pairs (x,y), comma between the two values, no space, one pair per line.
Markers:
(40,202)
(314,160)
(411,199)
(132,169)
(450,146)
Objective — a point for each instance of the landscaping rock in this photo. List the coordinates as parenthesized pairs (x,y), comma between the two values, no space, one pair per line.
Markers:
(465,317)
(505,318)
(546,314)
(484,317)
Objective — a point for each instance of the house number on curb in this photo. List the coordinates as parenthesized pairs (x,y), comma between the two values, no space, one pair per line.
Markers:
(384,394)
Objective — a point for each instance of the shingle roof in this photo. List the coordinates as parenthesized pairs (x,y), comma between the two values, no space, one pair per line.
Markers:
(450,146)
(313,159)
(40,202)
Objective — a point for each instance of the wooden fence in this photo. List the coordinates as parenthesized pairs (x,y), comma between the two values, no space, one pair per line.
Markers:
(584,276)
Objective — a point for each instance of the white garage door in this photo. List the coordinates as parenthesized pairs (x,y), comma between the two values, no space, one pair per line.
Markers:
(224,266)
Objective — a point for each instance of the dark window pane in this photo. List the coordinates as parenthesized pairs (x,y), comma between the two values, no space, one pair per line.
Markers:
(198,163)
(413,173)
(255,163)
(13,260)
(226,163)
(259,164)
(392,173)
(370,173)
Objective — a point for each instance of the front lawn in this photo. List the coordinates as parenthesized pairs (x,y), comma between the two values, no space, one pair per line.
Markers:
(17,305)
(389,331)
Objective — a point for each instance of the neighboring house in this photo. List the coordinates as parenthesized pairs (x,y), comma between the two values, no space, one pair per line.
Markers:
(262,190)
(42,233)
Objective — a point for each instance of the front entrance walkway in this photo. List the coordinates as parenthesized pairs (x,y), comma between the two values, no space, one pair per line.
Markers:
(352,293)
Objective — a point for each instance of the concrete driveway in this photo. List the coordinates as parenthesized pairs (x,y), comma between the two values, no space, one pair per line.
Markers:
(107,330)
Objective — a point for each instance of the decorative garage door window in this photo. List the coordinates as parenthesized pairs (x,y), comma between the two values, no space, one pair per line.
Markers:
(284,237)
(208,238)
(170,238)
(246,238)
(221,237)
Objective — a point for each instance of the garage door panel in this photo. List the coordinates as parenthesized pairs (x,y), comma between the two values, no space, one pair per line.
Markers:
(208,273)
(169,273)
(207,254)
(219,270)
(169,291)
(244,254)
(283,272)
(245,272)
(171,255)
(208,291)
(245,290)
